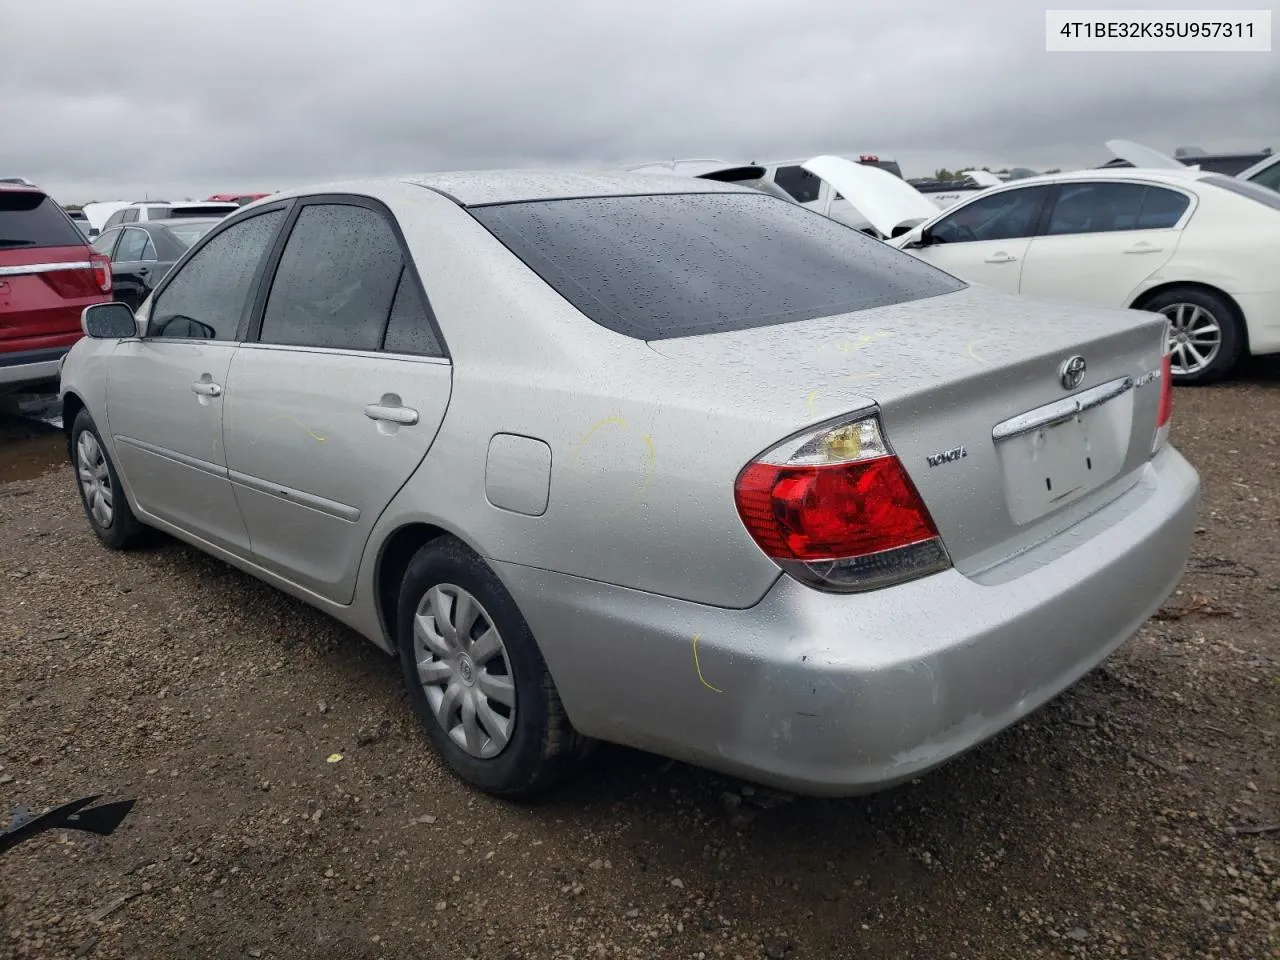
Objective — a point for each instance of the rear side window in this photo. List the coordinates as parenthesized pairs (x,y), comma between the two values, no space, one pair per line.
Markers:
(207,297)
(409,328)
(29,218)
(1096,208)
(1162,209)
(336,280)
(1268,177)
(802,185)
(159,213)
(656,267)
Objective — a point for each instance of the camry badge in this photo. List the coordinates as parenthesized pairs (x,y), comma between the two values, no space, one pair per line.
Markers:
(1071,373)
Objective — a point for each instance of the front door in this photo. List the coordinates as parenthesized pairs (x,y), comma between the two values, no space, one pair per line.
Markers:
(166,391)
(986,240)
(338,401)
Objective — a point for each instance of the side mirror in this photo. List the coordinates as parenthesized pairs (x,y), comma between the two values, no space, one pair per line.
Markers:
(93,233)
(108,321)
(915,237)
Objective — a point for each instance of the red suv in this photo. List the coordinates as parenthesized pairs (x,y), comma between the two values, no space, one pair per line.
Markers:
(48,275)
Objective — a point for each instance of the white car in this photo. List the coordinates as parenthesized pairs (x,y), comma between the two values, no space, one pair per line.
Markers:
(141,210)
(1265,173)
(1200,248)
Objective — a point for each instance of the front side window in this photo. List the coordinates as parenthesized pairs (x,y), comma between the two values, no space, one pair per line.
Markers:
(1006,215)
(115,219)
(210,293)
(135,245)
(131,215)
(662,266)
(336,280)
(803,186)
(105,241)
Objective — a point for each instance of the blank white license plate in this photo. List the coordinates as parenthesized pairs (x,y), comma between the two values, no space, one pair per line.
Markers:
(1053,466)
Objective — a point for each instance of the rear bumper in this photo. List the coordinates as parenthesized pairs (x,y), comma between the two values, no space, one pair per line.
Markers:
(838,695)
(30,367)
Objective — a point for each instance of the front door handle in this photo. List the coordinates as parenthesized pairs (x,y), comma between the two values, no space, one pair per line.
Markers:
(391,413)
(1000,258)
(206,388)
(1143,248)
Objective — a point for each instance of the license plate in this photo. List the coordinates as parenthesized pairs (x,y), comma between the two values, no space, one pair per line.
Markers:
(1049,467)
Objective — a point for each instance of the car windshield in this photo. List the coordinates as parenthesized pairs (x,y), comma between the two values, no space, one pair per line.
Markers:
(188,233)
(1245,188)
(656,267)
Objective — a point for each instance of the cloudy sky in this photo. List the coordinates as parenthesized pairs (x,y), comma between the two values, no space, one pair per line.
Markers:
(179,98)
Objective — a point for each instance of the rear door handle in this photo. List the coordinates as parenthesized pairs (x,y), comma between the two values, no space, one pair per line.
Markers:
(1000,258)
(204,388)
(391,414)
(1143,248)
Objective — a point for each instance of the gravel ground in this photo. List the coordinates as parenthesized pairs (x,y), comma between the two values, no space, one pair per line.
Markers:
(1137,816)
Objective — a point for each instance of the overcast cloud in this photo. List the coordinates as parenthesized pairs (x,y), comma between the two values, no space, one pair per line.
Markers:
(185,98)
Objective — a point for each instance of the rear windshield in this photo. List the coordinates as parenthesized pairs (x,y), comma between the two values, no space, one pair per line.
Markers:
(28,218)
(188,233)
(1246,188)
(657,267)
(170,213)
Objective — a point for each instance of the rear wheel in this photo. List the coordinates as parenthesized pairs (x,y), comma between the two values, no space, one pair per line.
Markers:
(476,678)
(105,505)
(1206,336)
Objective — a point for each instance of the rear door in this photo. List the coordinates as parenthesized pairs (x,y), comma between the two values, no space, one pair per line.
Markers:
(165,395)
(1102,239)
(46,278)
(986,240)
(337,402)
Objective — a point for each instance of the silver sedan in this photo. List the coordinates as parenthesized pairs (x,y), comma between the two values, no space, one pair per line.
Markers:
(672,464)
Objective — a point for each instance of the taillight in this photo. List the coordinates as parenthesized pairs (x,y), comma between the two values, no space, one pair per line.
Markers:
(101,271)
(1165,412)
(836,509)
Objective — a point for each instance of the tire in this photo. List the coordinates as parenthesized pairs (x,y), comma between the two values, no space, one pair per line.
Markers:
(103,498)
(1192,309)
(541,747)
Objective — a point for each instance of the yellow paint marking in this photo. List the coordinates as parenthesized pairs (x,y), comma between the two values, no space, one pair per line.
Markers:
(311,433)
(813,395)
(698,666)
(587,436)
(650,455)
(864,340)
(863,376)
(969,350)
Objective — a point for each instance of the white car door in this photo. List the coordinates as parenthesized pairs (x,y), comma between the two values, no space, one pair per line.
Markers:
(336,398)
(986,240)
(165,390)
(1102,239)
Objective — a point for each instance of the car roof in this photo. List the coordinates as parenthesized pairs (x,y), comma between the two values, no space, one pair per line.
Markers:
(480,187)
(181,203)
(1152,174)
(20,187)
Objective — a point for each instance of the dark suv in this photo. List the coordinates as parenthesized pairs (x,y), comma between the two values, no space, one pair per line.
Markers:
(48,275)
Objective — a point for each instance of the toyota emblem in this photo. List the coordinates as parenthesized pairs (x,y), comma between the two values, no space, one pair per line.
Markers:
(1071,373)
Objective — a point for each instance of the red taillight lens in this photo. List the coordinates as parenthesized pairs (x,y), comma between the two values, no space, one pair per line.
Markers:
(837,510)
(101,271)
(832,512)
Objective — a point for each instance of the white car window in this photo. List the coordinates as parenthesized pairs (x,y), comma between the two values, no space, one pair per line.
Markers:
(1007,215)
(1269,177)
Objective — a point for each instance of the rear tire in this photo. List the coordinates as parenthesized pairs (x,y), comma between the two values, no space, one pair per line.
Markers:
(465,651)
(103,498)
(1206,333)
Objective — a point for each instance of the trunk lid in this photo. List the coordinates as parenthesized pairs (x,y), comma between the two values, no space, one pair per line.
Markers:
(946,373)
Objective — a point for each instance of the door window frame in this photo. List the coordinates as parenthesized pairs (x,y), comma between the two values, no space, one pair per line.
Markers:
(255,285)
(253,331)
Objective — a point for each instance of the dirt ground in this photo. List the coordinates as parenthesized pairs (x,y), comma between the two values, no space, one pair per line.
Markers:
(1137,816)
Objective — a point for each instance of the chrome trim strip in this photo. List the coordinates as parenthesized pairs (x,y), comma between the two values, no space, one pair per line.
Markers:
(344,352)
(203,466)
(1060,411)
(44,268)
(332,508)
